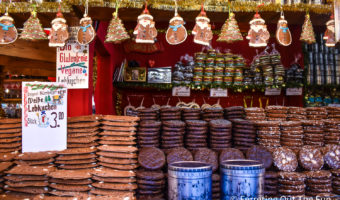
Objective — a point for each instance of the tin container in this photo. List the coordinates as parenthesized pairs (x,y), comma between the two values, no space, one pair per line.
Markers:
(241,179)
(189,180)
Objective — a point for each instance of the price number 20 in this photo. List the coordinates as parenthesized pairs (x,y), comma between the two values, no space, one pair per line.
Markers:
(57,116)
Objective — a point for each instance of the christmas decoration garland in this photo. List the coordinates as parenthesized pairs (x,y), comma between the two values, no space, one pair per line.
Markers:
(189,5)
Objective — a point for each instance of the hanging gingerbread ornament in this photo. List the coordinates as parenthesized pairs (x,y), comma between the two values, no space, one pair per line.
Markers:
(307,34)
(86,32)
(202,29)
(176,33)
(8,32)
(283,35)
(330,33)
(145,31)
(230,32)
(116,33)
(59,31)
(33,29)
(258,34)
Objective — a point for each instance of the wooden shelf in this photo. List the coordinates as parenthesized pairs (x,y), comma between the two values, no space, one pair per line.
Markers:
(12,100)
(22,80)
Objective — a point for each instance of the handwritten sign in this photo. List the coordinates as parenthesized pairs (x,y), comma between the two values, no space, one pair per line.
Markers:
(73,63)
(272,91)
(218,92)
(181,91)
(294,91)
(44,116)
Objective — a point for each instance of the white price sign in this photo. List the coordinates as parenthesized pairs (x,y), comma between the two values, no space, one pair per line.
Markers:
(218,92)
(272,91)
(181,91)
(44,116)
(73,64)
(294,91)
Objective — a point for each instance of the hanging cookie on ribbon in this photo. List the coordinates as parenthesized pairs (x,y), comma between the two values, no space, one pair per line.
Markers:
(116,32)
(86,32)
(283,35)
(145,31)
(33,29)
(59,31)
(258,34)
(8,32)
(330,33)
(176,33)
(202,30)
(307,34)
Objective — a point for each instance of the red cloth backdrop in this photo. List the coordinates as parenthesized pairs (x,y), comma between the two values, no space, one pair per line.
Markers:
(105,92)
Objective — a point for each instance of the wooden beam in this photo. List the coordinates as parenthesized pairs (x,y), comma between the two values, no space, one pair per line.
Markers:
(31,50)
(16,65)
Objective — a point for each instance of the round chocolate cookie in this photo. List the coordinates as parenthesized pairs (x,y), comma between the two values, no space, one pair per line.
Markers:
(208,156)
(310,158)
(150,175)
(151,158)
(261,154)
(230,154)
(332,157)
(285,159)
(174,123)
(220,123)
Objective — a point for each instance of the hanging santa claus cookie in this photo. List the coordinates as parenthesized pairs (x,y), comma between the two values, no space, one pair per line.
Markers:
(202,29)
(59,32)
(176,33)
(283,35)
(145,30)
(258,34)
(8,32)
(86,32)
(330,33)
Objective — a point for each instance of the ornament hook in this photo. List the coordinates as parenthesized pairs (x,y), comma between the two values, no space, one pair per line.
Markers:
(176,7)
(115,14)
(86,8)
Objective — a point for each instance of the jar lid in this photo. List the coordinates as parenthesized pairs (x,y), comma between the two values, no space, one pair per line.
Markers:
(242,164)
(190,166)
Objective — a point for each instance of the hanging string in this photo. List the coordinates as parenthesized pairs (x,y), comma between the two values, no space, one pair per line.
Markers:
(115,14)
(176,8)
(86,8)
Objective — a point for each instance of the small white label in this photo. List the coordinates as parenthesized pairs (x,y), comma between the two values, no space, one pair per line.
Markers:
(218,92)
(272,91)
(181,91)
(294,91)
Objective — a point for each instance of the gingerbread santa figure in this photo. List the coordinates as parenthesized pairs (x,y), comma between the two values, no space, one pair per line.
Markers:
(283,35)
(330,33)
(59,32)
(258,34)
(176,33)
(202,30)
(8,32)
(86,32)
(145,30)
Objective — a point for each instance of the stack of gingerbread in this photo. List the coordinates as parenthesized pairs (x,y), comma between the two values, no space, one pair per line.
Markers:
(82,131)
(316,113)
(255,114)
(313,132)
(336,181)
(148,114)
(172,134)
(244,134)
(76,158)
(311,159)
(212,113)
(196,134)
(150,177)
(70,183)
(292,135)
(220,134)
(28,180)
(170,113)
(35,159)
(148,134)
(3,167)
(296,114)
(115,183)
(10,135)
(234,112)
(118,130)
(332,132)
(191,114)
(318,182)
(271,184)
(331,157)
(268,133)
(276,113)
(333,113)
